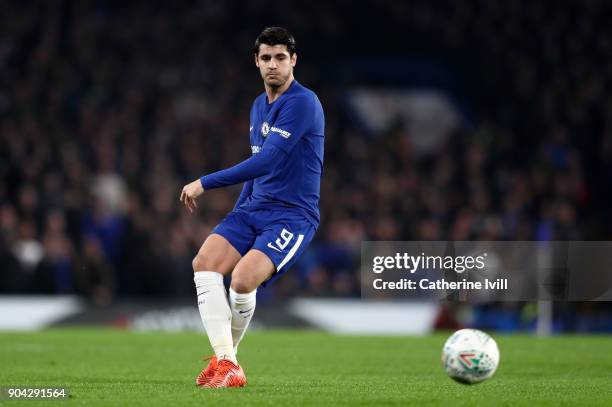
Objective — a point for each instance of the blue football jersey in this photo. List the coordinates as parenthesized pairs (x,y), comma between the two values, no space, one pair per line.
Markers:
(295,124)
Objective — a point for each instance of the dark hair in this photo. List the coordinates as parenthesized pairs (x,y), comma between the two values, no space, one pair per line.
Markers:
(275,36)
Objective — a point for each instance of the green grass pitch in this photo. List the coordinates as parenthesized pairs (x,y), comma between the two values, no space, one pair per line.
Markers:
(298,368)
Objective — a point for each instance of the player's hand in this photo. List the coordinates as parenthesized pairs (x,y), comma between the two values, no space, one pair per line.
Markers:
(190,193)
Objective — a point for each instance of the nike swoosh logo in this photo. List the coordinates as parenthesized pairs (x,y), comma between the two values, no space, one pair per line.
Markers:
(244,312)
(274,248)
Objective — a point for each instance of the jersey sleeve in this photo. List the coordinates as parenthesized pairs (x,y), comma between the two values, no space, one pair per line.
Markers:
(254,167)
(294,120)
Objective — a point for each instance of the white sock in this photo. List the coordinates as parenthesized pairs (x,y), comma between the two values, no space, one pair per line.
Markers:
(215,313)
(243,308)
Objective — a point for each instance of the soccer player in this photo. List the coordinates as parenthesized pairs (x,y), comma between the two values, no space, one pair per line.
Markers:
(276,215)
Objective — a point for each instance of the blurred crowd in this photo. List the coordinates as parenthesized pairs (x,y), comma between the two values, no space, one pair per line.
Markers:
(108,108)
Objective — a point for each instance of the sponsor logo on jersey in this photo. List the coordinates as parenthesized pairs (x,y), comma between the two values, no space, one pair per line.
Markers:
(282,132)
(265,129)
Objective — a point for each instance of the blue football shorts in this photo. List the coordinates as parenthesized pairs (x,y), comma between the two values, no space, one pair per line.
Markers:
(282,236)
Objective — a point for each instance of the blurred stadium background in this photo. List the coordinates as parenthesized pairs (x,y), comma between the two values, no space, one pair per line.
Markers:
(487,120)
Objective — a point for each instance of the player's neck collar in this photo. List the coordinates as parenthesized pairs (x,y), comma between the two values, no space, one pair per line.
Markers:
(291,85)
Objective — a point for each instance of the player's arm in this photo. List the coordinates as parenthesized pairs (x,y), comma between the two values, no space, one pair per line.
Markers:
(294,120)
(254,167)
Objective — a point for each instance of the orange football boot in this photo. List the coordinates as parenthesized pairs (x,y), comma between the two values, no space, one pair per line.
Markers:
(227,375)
(207,373)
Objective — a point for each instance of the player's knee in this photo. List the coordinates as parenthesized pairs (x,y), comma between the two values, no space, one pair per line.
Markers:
(242,284)
(198,263)
(202,262)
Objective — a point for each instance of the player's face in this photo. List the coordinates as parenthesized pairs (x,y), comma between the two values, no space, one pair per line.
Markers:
(275,64)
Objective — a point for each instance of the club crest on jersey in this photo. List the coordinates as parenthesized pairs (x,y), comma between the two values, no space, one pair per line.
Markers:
(265,129)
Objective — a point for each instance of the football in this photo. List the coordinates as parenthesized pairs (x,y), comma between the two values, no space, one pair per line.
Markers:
(470,356)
